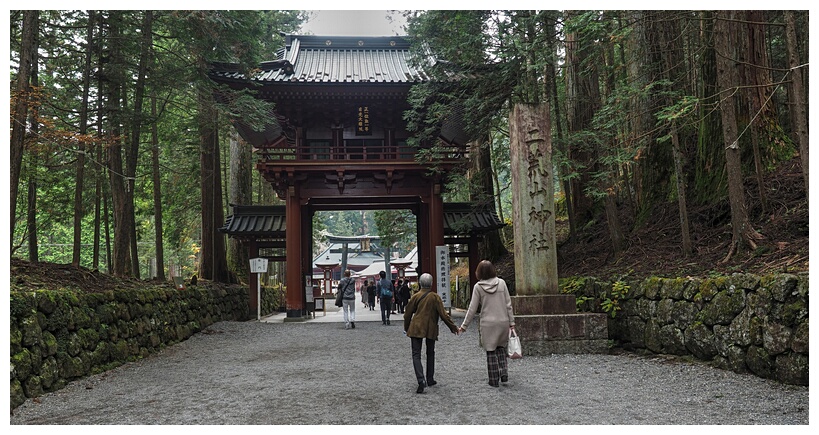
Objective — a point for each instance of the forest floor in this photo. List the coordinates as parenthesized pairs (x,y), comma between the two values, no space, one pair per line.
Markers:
(653,248)
(27,276)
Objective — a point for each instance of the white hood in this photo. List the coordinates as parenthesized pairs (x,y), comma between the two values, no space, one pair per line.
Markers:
(489,285)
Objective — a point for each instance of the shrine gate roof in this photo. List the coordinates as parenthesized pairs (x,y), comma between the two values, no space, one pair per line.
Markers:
(337,59)
(269,221)
(256,221)
(311,67)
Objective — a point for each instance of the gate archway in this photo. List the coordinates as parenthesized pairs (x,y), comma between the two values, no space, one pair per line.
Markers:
(264,229)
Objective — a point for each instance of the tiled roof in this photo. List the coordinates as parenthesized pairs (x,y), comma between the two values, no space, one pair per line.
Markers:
(256,221)
(338,59)
(356,258)
(461,218)
(269,220)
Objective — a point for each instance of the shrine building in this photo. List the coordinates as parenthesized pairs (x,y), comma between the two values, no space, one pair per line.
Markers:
(341,143)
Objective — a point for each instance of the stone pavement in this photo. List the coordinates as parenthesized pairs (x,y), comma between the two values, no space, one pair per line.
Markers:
(316,373)
(334,314)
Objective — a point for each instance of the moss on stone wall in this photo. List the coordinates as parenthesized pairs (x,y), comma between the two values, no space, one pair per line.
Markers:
(742,322)
(58,336)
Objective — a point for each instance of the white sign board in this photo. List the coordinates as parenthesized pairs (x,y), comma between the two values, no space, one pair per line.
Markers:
(442,272)
(258,265)
(308,292)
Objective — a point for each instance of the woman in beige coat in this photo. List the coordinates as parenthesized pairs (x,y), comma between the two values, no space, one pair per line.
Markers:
(497,319)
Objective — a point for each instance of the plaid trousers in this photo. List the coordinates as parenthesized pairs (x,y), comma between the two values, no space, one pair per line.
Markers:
(496,363)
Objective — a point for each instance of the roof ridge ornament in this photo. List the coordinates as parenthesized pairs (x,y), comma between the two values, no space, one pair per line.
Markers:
(280,64)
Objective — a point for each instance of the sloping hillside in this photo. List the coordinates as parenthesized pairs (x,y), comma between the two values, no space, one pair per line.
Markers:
(654,248)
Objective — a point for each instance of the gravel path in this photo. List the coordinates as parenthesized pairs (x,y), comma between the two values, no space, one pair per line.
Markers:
(252,373)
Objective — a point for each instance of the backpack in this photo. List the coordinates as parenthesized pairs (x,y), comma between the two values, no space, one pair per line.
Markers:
(385,289)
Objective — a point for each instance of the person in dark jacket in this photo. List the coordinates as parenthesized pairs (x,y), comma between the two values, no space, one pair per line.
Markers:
(404,294)
(421,317)
(396,299)
(371,295)
(383,291)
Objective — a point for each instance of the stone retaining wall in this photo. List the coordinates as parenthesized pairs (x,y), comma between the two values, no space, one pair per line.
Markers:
(61,336)
(743,322)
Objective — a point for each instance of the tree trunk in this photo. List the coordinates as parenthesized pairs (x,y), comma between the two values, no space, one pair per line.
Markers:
(207,137)
(20,108)
(798,99)
(482,194)
(121,254)
(130,183)
(220,267)
(685,227)
(119,198)
(758,169)
(710,181)
(608,182)
(241,171)
(757,80)
(136,127)
(582,101)
(550,74)
(95,261)
(673,59)
(213,261)
(533,200)
(726,44)
(78,188)
(99,173)
(34,123)
(121,245)
(31,219)
(109,261)
(160,250)
(654,163)
(264,191)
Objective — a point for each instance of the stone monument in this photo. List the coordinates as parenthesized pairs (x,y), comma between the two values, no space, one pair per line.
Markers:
(547,321)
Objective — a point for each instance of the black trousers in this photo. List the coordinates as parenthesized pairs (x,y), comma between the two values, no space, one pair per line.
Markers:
(386,304)
(416,359)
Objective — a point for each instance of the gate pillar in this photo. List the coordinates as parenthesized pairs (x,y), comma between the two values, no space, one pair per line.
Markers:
(432,206)
(295,296)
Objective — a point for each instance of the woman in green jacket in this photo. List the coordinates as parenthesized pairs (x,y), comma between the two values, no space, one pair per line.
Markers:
(421,324)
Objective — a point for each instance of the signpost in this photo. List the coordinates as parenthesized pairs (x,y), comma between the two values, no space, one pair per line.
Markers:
(442,270)
(179,283)
(258,266)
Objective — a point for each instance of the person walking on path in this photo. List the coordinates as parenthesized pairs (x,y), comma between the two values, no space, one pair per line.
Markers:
(347,286)
(384,292)
(421,325)
(363,292)
(491,295)
(371,295)
(396,304)
(404,294)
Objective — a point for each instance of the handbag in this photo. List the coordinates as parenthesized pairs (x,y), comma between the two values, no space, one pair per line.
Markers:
(340,294)
(514,349)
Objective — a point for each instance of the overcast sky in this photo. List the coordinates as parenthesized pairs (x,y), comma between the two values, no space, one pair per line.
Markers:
(354,23)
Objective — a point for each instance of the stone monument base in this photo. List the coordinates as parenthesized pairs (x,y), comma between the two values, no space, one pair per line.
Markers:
(550,324)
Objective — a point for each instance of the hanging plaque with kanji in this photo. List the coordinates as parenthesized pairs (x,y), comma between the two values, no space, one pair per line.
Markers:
(362,126)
